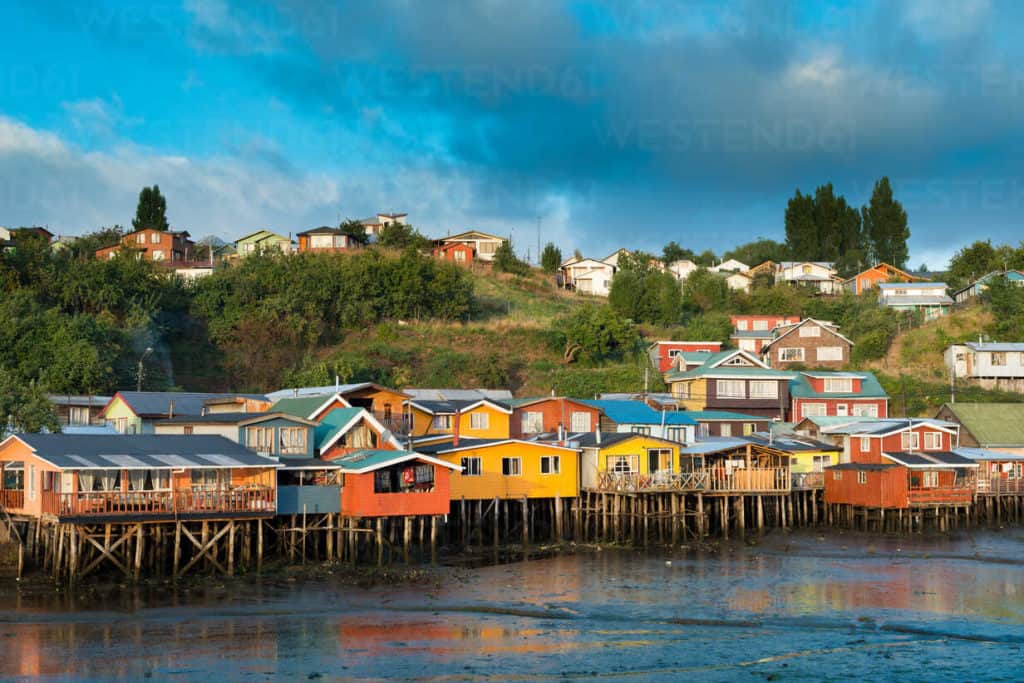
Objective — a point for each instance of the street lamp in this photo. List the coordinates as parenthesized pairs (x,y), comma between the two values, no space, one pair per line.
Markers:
(138,383)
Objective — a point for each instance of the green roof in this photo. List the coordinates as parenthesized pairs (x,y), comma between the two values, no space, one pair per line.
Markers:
(991,424)
(730,371)
(332,423)
(870,387)
(300,406)
(371,458)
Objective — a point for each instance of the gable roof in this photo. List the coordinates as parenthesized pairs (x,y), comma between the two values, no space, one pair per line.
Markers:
(832,329)
(472,234)
(330,389)
(529,401)
(991,424)
(261,235)
(450,407)
(589,439)
(158,403)
(790,442)
(459,394)
(306,406)
(368,460)
(995,346)
(886,426)
(870,387)
(322,230)
(715,367)
(240,419)
(448,445)
(135,452)
(638,412)
(337,422)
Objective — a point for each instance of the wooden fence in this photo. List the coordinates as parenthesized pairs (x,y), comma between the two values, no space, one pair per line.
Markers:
(142,503)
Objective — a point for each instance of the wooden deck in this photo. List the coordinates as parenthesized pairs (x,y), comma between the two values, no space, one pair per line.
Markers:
(708,480)
(963,495)
(998,486)
(161,504)
(12,498)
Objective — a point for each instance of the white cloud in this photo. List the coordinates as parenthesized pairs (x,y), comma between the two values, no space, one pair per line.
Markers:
(220,28)
(930,19)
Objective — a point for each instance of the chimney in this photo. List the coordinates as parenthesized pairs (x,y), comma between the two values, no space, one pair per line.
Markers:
(455,429)
(561,432)
(170,408)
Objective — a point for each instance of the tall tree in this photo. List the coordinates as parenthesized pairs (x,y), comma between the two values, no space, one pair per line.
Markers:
(885,226)
(550,258)
(151,212)
(672,252)
(355,231)
(801,230)
(824,227)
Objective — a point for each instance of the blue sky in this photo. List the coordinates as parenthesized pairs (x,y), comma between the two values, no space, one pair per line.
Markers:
(614,124)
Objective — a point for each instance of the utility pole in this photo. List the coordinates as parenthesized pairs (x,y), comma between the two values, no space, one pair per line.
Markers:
(538,240)
(142,358)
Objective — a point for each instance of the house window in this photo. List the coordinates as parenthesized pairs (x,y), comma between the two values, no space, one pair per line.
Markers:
(460,256)
(837,475)
(580,422)
(765,389)
(761,325)
(321,241)
(933,441)
(641,429)
(207,479)
(154,238)
(158,255)
(78,415)
(442,423)
(681,389)
(260,439)
(550,464)
(865,444)
(478,420)
(813,410)
(533,423)
(807,270)
(838,385)
(820,462)
(830,353)
(49,481)
(998,358)
(791,354)
(141,239)
(910,441)
(512,467)
(674,433)
(487,247)
(622,464)
(749,428)
(741,325)
(293,440)
(810,331)
(471,467)
(730,388)
(187,430)
(865,410)
(930,480)
(725,429)
(862,477)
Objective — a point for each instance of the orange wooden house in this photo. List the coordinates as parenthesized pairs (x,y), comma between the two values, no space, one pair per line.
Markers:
(392,483)
(898,464)
(883,272)
(112,478)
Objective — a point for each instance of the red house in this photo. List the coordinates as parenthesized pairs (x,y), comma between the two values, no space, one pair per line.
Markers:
(664,354)
(531,416)
(457,252)
(389,483)
(752,332)
(899,464)
(837,394)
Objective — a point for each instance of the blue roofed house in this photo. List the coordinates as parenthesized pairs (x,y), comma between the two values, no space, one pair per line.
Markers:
(639,418)
(976,288)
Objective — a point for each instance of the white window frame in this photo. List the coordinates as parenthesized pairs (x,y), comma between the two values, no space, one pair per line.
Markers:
(479,421)
(837,475)
(820,462)
(741,325)
(933,441)
(725,388)
(76,413)
(622,464)
(930,479)
(865,444)
(865,410)
(811,410)
(512,466)
(532,422)
(472,466)
(579,421)
(791,354)
(842,410)
(810,331)
(764,389)
(643,430)
(760,326)
(321,241)
(912,438)
(674,433)
(546,461)
(725,429)
(838,385)
(829,353)
(442,423)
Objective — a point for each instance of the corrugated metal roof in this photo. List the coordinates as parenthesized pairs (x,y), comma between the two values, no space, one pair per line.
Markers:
(992,424)
(724,415)
(995,346)
(459,394)
(332,423)
(638,412)
(800,387)
(158,403)
(917,300)
(985,454)
(714,445)
(922,459)
(147,451)
(790,443)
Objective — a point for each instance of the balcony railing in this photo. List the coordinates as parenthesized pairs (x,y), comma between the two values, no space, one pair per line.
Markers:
(803,481)
(710,480)
(11,499)
(396,424)
(940,496)
(119,503)
(996,486)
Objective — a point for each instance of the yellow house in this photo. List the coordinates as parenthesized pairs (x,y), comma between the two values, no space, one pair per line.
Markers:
(808,458)
(135,412)
(508,468)
(626,455)
(476,419)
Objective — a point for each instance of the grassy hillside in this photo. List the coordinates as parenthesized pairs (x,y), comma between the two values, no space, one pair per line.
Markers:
(918,352)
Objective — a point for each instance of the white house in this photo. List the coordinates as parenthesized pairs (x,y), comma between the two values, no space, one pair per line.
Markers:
(612,259)
(374,224)
(820,275)
(681,269)
(993,365)
(732,265)
(484,245)
(928,297)
(587,276)
(737,281)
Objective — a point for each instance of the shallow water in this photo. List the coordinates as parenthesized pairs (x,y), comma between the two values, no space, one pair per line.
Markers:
(791,606)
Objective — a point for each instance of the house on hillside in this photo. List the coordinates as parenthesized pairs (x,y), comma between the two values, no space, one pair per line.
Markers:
(613,258)
(165,246)
(325,240)
(817,275)
(456,252)
(78,411)
(135,412)
(551,414)
(875,275)
(752,332)
(811,343)
(375,224)
(992,426)
(263,242)
(667,355)
(681,269)
(837,394)
(735,381)
(730,266)
(586,276)
(976,288)
(929,298)
(484,245)
(737,281)
(992,365)
(639,418)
